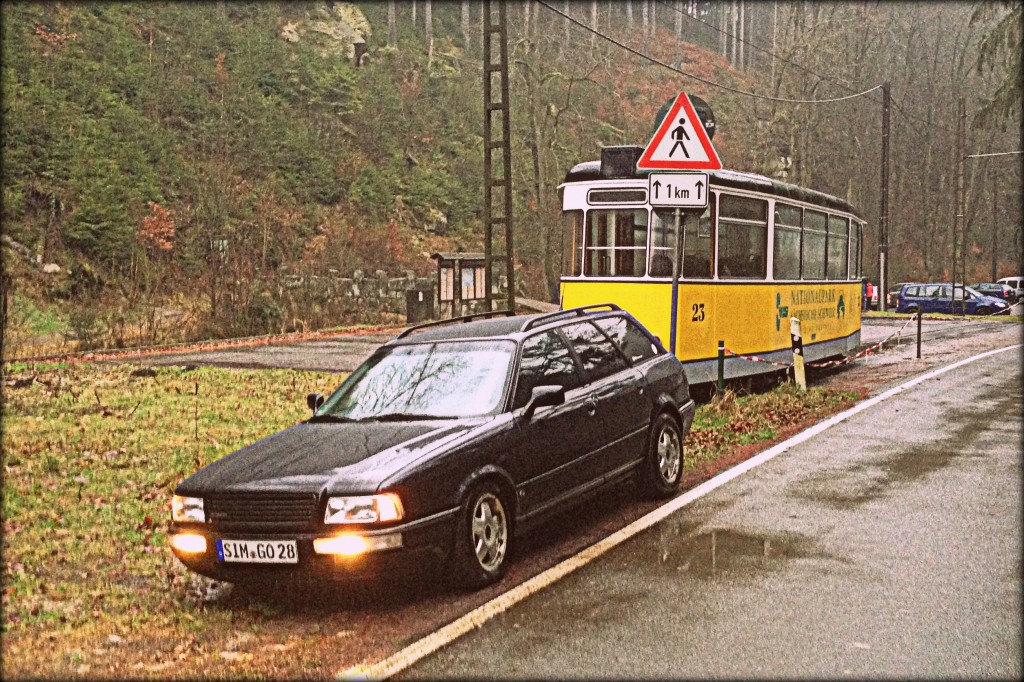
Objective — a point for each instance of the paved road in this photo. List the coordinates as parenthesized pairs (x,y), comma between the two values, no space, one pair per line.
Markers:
(887,545)
(337,354)
(345,353)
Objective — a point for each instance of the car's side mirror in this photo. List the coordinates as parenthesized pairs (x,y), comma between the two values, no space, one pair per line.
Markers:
(543,396)
(314,401)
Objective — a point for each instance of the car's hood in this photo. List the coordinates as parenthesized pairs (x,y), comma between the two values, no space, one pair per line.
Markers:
(337,457)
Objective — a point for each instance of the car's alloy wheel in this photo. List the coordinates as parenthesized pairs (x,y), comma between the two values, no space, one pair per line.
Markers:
(483,538)
(662,471)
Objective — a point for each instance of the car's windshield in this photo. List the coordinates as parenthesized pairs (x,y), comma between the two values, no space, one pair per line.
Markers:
(429,380)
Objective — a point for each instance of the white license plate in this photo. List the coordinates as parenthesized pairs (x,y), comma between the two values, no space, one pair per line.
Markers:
(258,551)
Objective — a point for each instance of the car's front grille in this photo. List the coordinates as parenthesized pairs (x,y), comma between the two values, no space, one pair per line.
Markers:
(262,512)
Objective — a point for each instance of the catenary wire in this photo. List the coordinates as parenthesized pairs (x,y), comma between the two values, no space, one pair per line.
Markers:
(698,78)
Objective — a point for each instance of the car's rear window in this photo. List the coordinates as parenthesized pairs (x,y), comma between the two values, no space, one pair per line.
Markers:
(599,356)
(633,342)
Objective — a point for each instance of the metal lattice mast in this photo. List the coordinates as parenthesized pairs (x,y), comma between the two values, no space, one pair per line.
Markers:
(497,204)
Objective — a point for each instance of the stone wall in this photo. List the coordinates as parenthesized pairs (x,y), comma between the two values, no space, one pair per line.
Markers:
(308,296)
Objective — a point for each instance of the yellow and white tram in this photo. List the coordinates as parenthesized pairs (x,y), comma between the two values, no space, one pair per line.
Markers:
(763,251)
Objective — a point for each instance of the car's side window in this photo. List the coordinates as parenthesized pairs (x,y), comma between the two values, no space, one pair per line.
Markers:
(599,356)
(634,344)
(546,361)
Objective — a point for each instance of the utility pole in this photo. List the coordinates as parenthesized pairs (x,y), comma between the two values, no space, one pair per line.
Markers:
(883,213)
(995,223)
(959,228)
(497,212)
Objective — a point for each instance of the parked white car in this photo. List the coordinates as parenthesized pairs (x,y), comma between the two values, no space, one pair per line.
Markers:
(1016,283)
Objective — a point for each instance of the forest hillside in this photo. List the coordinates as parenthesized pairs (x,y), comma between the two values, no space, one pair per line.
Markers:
(180,171)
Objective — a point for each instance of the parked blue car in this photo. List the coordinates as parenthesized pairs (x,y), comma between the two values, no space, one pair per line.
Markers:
(944,298)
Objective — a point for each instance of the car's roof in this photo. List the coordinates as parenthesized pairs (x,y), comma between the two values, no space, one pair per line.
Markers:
(501,325)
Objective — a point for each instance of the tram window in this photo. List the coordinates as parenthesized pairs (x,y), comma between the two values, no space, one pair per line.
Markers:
(742,237)
(838,240)
(572,243)
(617,196)
(813,252)
(663,243)
(616,243)
(787,242)
(855,231)
(697,245)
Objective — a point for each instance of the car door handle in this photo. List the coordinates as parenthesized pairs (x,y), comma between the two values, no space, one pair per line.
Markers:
(591,406)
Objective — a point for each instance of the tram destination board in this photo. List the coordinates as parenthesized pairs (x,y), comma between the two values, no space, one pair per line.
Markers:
(678,190)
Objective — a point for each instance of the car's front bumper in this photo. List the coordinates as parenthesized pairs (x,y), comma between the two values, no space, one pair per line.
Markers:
(419,542)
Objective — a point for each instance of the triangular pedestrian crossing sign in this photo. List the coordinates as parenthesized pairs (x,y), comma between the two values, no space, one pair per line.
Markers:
(680,142)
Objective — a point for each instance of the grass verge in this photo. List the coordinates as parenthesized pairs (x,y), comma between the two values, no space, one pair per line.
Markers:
(91,454)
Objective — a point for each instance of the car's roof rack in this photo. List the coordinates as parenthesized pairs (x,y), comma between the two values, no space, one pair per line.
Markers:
(570,312)
(456,320)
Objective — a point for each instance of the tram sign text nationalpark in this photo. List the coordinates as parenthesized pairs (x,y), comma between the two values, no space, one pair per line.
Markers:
(680,142)
(682,190)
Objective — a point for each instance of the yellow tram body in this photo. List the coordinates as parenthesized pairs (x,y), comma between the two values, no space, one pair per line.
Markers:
(752,320)
(804,262)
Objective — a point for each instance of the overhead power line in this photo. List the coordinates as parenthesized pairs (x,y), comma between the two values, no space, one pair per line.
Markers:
(698,78)
(754,45)
(982,156)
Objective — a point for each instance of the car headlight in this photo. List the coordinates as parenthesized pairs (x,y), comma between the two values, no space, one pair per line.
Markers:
(364,509)
(187,509)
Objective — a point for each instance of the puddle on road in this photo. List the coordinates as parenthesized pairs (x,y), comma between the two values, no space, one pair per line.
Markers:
(723,552)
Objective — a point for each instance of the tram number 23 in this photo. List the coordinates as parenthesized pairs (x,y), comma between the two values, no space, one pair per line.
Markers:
(698,312)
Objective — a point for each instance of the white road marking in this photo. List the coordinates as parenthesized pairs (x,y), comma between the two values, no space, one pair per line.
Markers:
(480,615)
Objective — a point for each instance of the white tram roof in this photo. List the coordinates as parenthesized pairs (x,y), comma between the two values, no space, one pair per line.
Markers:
(591,170)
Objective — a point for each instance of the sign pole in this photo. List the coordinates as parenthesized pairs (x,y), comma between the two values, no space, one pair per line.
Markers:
(676,257)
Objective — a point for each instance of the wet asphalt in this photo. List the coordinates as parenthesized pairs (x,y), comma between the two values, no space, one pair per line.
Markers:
(888,545)
(338,354)
(344,353)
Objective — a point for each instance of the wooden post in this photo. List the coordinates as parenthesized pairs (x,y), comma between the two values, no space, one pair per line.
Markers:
(798,353)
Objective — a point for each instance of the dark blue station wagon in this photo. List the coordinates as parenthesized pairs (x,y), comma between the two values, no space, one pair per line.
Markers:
(449,442)
(938,297)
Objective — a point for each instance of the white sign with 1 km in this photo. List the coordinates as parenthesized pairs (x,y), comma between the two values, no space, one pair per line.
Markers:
(685,190)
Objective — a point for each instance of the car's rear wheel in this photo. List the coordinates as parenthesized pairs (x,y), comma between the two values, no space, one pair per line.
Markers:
(482,540)
(661,472)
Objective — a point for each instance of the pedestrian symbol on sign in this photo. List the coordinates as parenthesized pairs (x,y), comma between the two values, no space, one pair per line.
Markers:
(679,134)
